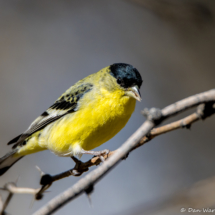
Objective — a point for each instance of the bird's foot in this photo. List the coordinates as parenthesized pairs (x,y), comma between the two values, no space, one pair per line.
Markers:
(100,154)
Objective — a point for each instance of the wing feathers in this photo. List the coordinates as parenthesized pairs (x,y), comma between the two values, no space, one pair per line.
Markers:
(62,105)
(14,140)
(66,104)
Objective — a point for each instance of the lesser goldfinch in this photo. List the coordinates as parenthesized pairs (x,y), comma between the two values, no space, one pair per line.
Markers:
(87,115)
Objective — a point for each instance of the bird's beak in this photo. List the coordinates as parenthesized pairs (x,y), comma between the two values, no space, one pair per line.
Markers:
(134,92)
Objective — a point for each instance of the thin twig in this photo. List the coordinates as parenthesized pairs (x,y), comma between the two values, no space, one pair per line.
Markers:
(12,188)
(5,204)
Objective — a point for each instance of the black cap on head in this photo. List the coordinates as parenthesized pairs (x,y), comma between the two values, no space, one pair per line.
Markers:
(126,75)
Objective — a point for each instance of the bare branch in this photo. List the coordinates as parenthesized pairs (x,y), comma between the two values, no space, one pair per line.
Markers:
(5,204)
(12,188)
(83,167)
(1,205)
(203,111)
(154,117)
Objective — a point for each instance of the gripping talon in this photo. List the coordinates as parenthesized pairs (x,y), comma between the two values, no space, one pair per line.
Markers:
(102,159)
(103,153)
(100,154)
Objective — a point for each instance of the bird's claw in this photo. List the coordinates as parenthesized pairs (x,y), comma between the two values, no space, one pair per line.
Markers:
(102,154)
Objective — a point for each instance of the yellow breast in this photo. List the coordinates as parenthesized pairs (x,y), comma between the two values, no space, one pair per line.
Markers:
(100,116)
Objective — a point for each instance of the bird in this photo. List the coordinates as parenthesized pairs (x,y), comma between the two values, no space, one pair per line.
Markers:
(87,115)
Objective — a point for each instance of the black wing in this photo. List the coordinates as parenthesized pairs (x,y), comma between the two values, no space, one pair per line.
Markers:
(67,103)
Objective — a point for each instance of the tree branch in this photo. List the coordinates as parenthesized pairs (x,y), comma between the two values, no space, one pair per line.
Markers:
(47,179)
(154,117)
(84,166)
(5,204)
(203,111)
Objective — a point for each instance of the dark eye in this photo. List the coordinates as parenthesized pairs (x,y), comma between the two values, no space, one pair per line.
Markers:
(119,80)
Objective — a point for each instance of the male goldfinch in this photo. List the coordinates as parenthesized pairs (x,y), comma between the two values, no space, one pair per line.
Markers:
(87,115)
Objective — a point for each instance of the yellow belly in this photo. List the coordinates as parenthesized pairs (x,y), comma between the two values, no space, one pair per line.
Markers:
(96,121)
(92,125)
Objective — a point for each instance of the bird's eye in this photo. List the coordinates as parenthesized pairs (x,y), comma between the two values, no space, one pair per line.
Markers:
(119,80)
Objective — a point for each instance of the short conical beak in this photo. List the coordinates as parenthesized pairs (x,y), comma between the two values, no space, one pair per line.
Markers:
(134,92)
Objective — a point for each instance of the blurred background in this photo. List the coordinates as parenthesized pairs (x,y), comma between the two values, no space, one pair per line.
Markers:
(47,46)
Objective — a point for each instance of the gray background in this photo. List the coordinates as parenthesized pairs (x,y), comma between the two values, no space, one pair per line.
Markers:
(46,46)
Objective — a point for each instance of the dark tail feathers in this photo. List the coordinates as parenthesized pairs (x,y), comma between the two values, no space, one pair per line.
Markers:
(7,161)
